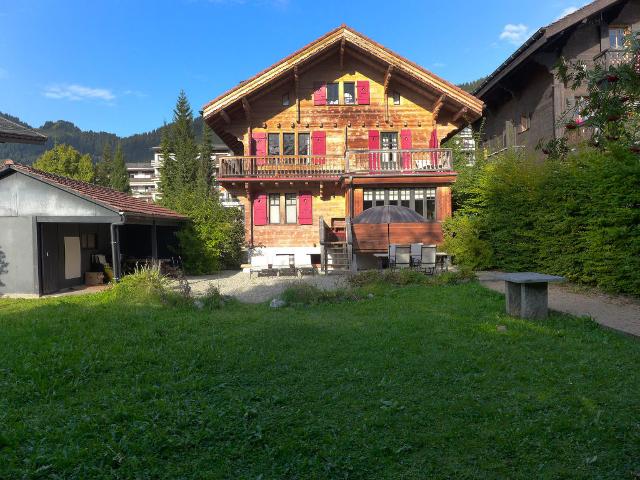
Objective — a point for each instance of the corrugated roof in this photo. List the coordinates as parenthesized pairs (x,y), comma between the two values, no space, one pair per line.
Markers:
(112,199)
(11,132)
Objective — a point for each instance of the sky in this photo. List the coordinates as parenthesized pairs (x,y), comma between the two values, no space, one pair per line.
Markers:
(118,66)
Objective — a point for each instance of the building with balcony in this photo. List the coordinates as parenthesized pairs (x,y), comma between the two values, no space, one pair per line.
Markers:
(338,127)
(525,101)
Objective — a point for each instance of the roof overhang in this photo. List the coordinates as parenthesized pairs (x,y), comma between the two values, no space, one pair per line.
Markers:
(343,37)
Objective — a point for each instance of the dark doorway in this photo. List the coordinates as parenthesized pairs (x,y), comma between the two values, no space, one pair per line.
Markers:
(49,257)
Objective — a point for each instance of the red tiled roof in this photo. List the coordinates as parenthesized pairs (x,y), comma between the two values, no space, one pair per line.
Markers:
(107,197)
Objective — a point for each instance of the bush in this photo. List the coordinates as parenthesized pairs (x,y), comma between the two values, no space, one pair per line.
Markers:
(148,286)
(305,294)
(212,298)
(462,241)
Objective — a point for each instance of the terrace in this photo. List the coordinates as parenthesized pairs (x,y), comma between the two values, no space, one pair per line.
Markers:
(354,162)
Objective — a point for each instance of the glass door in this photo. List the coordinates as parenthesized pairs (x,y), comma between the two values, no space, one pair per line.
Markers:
(389,141)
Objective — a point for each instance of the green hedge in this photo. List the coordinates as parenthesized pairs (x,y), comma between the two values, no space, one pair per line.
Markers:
(578,217)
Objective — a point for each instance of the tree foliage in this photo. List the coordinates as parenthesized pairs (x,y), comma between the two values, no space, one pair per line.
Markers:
(66,161)
(103,167)
(119,177)
(213,238)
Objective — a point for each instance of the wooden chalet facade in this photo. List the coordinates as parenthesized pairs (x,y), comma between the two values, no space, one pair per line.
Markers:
(339,126)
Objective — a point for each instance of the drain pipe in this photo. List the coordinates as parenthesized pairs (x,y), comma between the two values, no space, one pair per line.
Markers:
(115,248)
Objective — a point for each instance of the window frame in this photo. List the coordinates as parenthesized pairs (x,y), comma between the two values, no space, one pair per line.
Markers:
(422,200)
(353,93)
(337,99)
(270,197)
(286,100)
(290,203)
(625,29)
(293,136)
(395,97)
(269,137)
(525,122)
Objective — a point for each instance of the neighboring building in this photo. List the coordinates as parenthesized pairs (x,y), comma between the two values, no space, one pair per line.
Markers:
(52,229)
(525,102)
(338,127)
(11,132)
(144,178)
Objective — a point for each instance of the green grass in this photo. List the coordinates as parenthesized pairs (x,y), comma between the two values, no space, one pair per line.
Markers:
(414,383)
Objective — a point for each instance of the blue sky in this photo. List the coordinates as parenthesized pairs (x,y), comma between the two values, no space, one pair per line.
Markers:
(117,66)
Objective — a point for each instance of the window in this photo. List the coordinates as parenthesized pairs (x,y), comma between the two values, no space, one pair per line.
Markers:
(274,208)
(367,200)
(525,122)
(616,37)
(349,93)
(419,201)
(88,241)
(405,197)
(393,196)
(303,143)
(332,94)
(291,207)
(430,203)
(274,144)
(285,99)
(396,97)
(288,143)
(379,195)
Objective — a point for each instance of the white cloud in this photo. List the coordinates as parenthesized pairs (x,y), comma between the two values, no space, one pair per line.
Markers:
(515,34)
(78,92)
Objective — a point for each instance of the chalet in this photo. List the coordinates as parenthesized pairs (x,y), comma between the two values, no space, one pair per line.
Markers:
(525,102)
(338,127)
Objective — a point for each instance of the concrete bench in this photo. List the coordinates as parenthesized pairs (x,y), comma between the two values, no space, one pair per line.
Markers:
(527,294)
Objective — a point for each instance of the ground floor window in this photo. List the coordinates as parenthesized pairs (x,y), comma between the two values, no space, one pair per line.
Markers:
(422,200)
(274,208)
(291,207)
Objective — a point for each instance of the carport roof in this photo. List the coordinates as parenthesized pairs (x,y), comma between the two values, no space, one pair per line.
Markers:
(12,132)
(119,202)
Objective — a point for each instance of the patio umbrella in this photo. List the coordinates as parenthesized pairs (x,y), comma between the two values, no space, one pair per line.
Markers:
(388,214)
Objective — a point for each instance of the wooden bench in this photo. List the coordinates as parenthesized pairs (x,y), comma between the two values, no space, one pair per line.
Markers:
(527,294)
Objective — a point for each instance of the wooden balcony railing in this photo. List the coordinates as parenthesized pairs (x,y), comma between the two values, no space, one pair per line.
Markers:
(368,162)
(376,162)
(611,57)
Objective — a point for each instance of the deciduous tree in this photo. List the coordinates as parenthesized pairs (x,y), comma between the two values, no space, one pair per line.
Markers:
(66,161)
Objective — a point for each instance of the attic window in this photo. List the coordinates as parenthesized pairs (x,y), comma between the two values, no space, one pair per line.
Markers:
(525,122)
(333,97)
(396,97)
(285,99)
(349,93)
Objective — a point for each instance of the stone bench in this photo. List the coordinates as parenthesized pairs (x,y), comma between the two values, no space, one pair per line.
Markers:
(527,294)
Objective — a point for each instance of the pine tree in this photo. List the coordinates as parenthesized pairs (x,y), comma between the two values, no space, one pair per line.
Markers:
(103,167)
(119,176)
(185,148)
(205,170)
(167,170)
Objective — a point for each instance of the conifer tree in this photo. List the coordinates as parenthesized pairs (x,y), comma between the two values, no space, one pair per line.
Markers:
(205,170)
(167,170)
(119,179)
(103,167)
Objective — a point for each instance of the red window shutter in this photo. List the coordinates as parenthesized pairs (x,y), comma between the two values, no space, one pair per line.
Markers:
(319,93)
(319,147)
(406,144)
(305,211)
(363,92)
(260,209)
(259,146)
(374,144)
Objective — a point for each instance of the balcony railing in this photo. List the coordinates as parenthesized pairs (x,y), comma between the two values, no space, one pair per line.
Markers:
(358,162)
(611,57)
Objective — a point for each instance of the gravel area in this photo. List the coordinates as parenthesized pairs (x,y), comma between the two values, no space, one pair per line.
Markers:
(258,289)
(615,312)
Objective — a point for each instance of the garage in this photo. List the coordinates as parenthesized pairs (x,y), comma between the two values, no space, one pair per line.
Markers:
(56,233)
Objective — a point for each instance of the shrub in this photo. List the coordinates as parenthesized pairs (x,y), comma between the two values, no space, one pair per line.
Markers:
(147,285)
(462,241)
(305,294)
(212,298)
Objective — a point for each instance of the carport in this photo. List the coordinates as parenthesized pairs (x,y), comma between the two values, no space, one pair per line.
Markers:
(53,230)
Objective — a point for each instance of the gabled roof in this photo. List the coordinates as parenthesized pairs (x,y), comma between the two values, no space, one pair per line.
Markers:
(11,132)
(541,37)
(362,43)
(114,200)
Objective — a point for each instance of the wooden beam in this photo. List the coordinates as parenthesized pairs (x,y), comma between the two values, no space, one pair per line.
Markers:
(225,117)
(247,108)
(437,106)
(461,113)
(387,78)
(296,81)
(342,44)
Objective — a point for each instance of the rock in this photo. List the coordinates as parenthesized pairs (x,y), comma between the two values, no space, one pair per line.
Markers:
(370,295)
(198,304)
(502,328)
(277,303)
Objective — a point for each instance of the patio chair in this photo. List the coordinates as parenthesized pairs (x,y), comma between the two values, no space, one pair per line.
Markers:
(399,256)
(428,259)
(416,255)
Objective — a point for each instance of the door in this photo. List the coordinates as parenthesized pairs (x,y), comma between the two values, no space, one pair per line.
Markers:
(49,258)
(389,141)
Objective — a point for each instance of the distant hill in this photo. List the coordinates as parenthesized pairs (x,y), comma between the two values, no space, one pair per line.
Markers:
(471,86)
(136,148)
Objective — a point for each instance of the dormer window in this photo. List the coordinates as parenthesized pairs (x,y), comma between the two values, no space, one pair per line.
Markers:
(616,36)
(333,94)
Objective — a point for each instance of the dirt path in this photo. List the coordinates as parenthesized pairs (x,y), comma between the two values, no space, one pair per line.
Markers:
(618,313)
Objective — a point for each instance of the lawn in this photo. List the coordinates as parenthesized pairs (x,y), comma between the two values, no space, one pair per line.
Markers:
(416,382)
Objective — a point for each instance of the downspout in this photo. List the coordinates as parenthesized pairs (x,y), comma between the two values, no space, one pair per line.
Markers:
(115,247)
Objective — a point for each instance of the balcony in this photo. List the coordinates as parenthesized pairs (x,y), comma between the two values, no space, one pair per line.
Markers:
(355,162)
(611,58)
